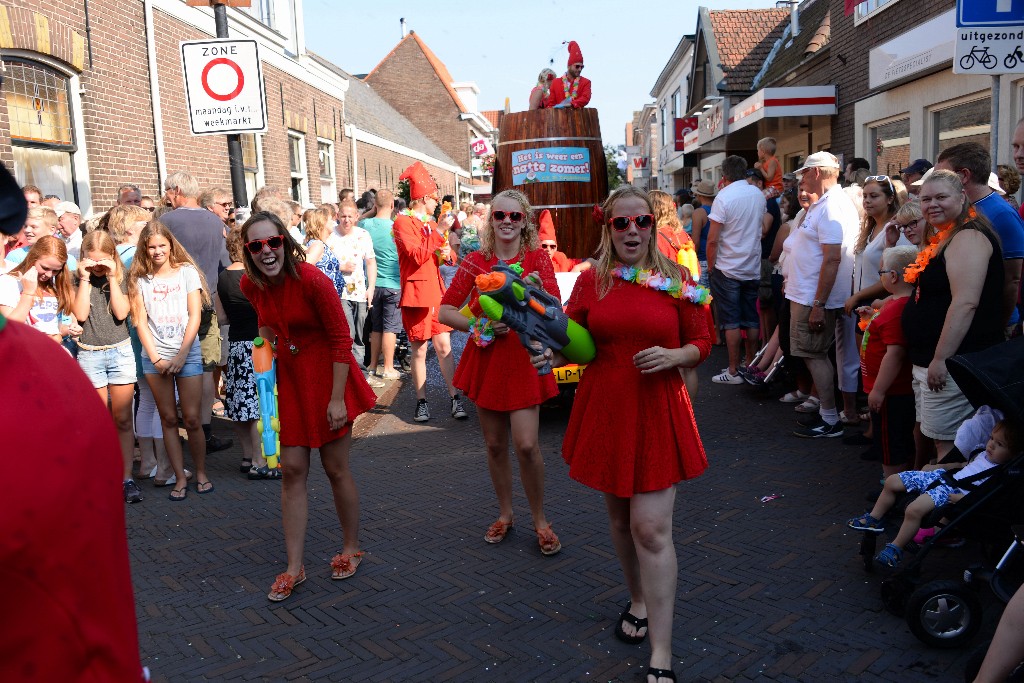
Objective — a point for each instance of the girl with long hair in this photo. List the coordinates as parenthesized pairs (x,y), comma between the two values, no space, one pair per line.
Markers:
(39,291)
(881,202)
(540,91)
(167,293)
(319,224)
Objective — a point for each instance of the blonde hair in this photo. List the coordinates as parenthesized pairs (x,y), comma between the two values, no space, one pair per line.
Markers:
(100,240)
(44,213)
(542,78)
(142,264)
(868,223)
(664,210)
(316,221)
(122,216)
(60,284)
(768,145)
(607,259)
(898,258)
(529,239)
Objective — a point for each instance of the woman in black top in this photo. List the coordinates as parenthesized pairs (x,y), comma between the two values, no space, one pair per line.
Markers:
(956,304)
(242,401)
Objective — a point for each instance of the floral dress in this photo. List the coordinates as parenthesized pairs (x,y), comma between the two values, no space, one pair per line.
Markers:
(330,266)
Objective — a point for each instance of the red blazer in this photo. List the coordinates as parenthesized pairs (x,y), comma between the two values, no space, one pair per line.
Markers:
(417,242)
(557,94)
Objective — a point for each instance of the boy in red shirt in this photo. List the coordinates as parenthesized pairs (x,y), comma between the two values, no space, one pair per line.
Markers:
(884,365)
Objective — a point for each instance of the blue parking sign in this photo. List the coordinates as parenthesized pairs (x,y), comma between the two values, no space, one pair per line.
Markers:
(989,12)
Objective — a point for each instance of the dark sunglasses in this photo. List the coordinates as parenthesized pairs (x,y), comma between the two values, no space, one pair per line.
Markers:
(552,247)
(514,216)
(644,221)
(151,209)
(885,272)
(256,246)
(879,179)
(230,206)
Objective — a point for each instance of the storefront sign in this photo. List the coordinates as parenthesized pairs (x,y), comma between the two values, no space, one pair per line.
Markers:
(683,127)
(481,147)
(712,123)
(919,51)
(989,50)
(810,100)
(224,87)
(551,165)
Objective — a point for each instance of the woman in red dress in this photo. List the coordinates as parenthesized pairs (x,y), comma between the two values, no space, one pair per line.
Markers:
(632,434)
(495,370)
(320,388)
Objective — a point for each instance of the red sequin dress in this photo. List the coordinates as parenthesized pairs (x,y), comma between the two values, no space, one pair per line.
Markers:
(306,312)
(499,376)
(631,433)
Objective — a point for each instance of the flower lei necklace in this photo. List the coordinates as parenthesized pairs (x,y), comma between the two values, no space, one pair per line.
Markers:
(645,277)
(575,88)
(480,329)
(924,257)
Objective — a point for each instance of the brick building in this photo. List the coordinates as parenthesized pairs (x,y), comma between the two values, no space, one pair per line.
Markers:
(90,103)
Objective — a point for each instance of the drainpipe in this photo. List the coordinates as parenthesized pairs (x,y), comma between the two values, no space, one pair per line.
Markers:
(154,92)
(350,131)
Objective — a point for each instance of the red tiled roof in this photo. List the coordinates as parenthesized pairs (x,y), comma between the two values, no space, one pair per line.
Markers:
(744,39)
(439,68)
(493,117)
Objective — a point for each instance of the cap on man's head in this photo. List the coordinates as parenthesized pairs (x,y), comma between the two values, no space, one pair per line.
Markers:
(993,183)
(67,207)
(546,227)
(921,181)
(420,183)
(919,166)
(705,189)
(756,173)
(819,160)
(575,55)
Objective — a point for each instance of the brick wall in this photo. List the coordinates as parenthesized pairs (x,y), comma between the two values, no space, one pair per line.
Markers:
(408,83)
(848,55)
(382,168)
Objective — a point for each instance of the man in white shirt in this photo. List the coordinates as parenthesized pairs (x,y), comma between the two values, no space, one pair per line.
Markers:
(734,263)
(354,248)
(69,227)
(815,287)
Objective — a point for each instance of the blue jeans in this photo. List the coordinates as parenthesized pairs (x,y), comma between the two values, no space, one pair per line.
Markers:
(736,301)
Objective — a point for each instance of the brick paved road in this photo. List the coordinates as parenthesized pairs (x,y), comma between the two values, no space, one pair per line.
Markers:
(768,591)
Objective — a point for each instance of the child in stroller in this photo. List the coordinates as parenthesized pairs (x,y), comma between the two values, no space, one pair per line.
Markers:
(939,485)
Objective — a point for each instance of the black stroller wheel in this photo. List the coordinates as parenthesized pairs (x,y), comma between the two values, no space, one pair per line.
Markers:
(944,614)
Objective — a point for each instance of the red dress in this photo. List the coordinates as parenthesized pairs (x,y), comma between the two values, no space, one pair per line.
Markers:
(631,433)
(500,376)
(307,313)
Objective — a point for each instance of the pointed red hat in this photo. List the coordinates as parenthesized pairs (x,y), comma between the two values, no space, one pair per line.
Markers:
(575,56)
(420,182)
(546,227)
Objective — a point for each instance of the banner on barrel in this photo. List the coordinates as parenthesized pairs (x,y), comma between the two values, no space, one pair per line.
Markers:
(551,165)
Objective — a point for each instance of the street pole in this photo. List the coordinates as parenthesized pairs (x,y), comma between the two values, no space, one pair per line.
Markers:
(995,122)
(220,16)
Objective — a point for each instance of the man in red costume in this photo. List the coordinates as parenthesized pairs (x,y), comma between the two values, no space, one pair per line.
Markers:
(571,90)
(548,242)
(422,247)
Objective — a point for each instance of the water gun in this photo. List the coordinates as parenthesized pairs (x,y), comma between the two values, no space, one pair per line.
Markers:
(535,315)
(269,425)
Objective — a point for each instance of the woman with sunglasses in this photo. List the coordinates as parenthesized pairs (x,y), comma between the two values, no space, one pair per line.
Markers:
(909,223)
(632,434)
(881,201)
(320,388)
(495,371)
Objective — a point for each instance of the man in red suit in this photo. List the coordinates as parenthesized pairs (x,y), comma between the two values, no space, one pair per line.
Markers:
(548,242)
(571,90)
(422,247)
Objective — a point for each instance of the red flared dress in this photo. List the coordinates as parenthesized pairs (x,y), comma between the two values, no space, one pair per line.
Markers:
(499,376)
(306,313)
(628,432)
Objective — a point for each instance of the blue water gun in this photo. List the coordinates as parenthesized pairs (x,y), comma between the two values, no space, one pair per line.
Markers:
(269,425)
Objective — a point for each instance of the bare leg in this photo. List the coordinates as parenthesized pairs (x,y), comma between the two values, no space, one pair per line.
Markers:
(294,503)
(374,351)
(334,456)
(751,344)
(942,449)
(1007,648)
(418,368)
(912,517)
(821,372)
(443,349)
(651,528)
(163,391)
(733,343)
(209,393)
(495,427)
(249,437)
(622,541)
(388,341)
(887,498)
(190,390)
(924,448)
(525,425)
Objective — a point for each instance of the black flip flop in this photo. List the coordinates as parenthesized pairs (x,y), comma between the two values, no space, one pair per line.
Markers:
(661,673)
(637,623)
(201,491)
(183,492)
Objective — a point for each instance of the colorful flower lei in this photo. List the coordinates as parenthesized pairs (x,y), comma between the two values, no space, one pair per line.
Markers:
(570,90)
(481,331)
(691,291)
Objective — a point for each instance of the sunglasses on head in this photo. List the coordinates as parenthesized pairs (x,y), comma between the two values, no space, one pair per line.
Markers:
(514,216)
(644,221)
(879,179)
(256,246)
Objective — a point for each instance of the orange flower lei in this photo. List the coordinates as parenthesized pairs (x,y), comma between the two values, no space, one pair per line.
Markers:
(913,271)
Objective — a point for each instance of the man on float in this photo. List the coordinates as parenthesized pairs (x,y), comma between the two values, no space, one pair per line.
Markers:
(571,90)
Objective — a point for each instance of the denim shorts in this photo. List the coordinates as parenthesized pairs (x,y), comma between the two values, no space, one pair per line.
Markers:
(104,367)
(193,363)
(919,481)
(736,301)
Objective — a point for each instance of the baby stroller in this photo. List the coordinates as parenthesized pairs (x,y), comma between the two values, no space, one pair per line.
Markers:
(948,613)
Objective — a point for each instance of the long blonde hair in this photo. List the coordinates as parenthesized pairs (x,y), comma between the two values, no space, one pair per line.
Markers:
(664,210)
(142,264)
(868,224)
(60,282)
(315,221)
(528,239)
(101,240)
(607,259)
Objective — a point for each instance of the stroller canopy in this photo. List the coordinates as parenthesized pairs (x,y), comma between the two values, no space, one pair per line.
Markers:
(993,377)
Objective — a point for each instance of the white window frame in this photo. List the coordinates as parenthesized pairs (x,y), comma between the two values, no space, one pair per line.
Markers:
(329,182)
(302,174)
(869,8)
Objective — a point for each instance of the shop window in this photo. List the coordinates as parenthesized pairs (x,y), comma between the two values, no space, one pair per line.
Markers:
(250,163)
(869,7)
(263,10)
(677,104)
(892,147)
(967,122)
(42,137)
(297,167)
(328,186)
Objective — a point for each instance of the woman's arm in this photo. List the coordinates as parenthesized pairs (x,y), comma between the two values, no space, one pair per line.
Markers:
(869,294)
(218,306)
(536,97)
(337,413)
(268,334)
(141,320)
(119,304)
(780,238)
(195,314)
(314,252)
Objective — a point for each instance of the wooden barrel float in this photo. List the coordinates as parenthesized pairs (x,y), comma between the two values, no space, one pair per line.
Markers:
(542,154)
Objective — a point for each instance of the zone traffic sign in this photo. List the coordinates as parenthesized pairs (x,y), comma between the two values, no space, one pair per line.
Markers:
(989,13)
(224,86)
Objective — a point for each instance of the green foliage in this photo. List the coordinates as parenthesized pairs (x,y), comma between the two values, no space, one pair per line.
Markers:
(402,190)
(614,176)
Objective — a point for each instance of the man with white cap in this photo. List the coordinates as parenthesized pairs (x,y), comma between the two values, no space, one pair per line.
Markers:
(817,287)
(69,227)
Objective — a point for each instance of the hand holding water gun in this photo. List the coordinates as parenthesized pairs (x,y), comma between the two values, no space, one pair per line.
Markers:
(265,369)
(535,315)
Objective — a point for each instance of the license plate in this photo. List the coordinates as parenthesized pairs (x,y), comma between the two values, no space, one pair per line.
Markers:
(569,374)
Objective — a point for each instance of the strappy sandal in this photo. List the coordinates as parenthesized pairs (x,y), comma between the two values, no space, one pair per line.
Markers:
(284,584)
(549,544)
(661,673)
(891,556)
(866,523)
(496,532)
(344,566)
(635,621)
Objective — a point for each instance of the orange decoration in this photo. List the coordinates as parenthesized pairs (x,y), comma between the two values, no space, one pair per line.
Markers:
(911,273)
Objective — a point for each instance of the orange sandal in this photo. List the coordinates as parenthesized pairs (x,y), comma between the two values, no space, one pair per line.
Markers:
(549,544)
(284,584)
(344,566)
(497,531)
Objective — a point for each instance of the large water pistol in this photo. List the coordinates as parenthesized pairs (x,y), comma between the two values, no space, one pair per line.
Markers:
(269,425)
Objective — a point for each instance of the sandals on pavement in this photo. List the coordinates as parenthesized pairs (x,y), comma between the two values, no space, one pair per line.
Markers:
(245,466)
(204,487)
(661,673)
(264,472)
(496,532)
(344,566)
(635,621)
(795,396)
(810,405)
(549,543)
(891,556)
(866,523)
(284,584)
(183,494)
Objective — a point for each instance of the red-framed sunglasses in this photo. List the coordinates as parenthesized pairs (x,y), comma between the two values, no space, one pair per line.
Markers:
(514,216)
(256,246)
(644,221)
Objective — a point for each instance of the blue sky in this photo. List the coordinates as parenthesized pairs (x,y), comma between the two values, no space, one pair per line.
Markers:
(502,50)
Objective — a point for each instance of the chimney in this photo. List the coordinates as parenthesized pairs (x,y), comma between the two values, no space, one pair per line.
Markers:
(405,31)
(794,19)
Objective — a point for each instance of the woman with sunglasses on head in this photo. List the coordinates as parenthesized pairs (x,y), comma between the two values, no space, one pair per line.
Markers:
(632,434)
(881,201)
(495,371)
(321,390)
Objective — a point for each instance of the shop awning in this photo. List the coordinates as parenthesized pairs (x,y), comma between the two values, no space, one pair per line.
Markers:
(810,100)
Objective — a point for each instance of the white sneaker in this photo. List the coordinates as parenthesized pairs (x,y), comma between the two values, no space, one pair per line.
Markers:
(726,378)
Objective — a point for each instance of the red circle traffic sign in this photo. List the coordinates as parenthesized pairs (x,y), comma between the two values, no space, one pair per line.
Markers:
(238,72)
